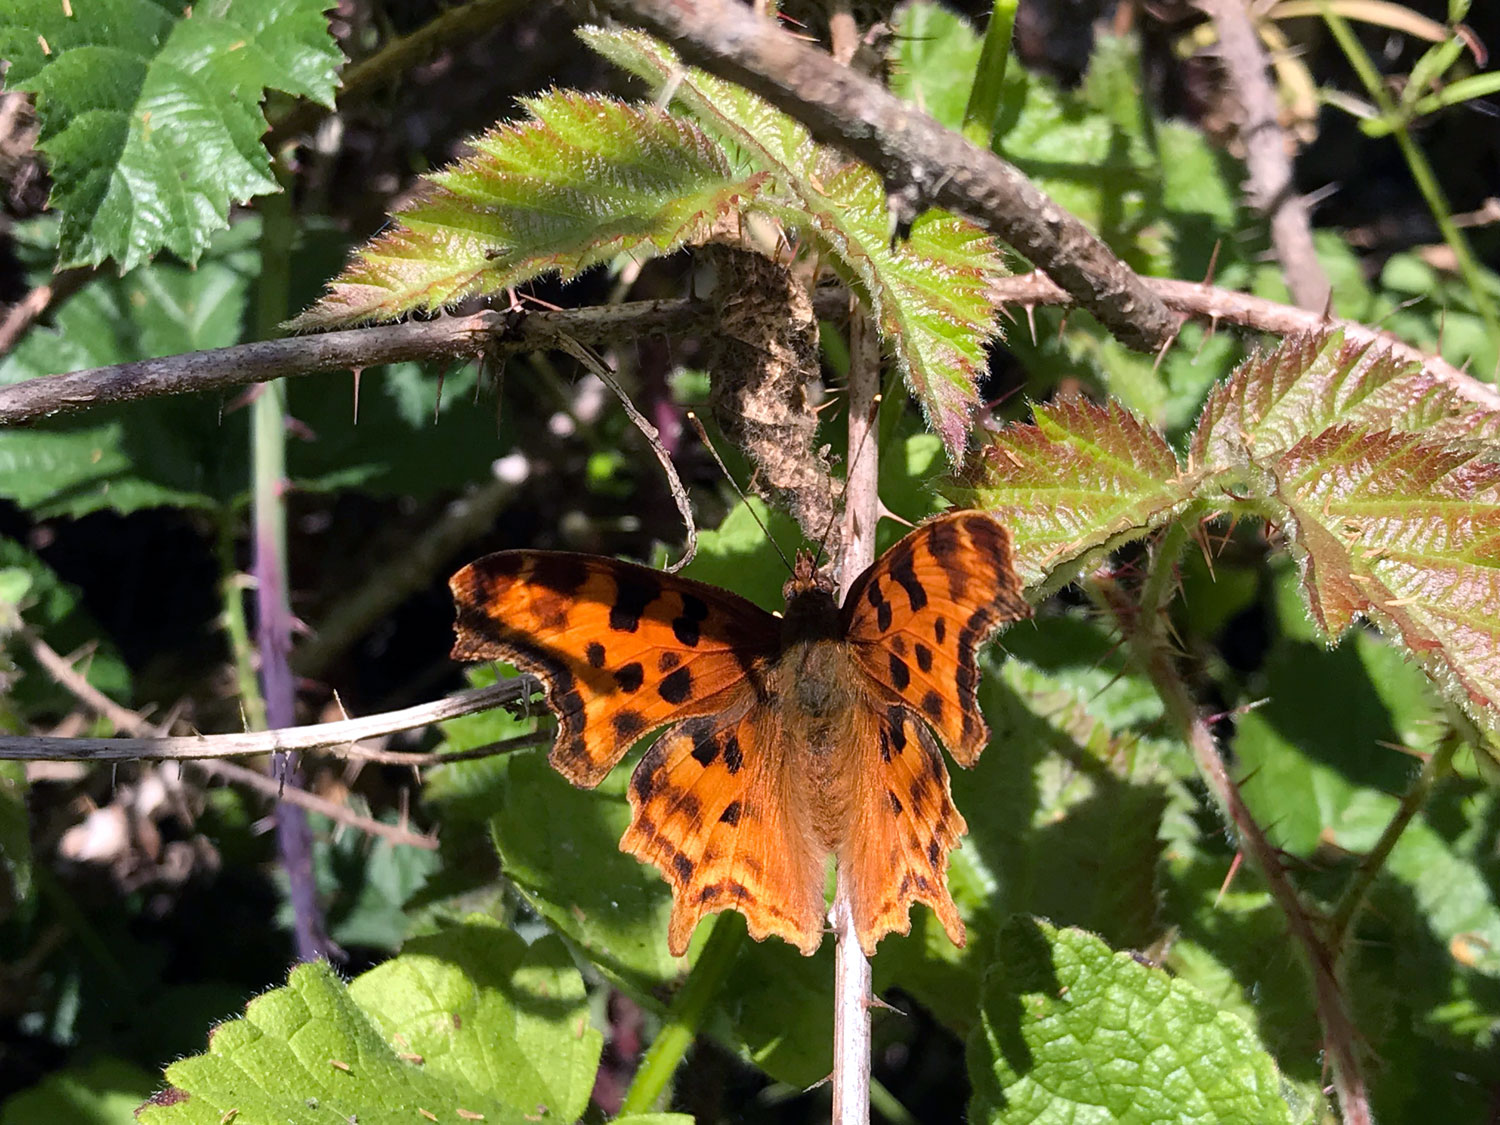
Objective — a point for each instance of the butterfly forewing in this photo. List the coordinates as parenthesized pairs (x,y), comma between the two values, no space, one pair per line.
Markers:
(621,648)
(916,619)
(715,811)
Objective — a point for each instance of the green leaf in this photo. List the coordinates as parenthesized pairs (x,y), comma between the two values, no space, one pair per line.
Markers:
(1071,1031)
(1082,478)
(150,113)
(476,1000)
(927,295)
(183,451)
(1390,493)
(104,1092)
(367,884)
(585,179)
(472,1020)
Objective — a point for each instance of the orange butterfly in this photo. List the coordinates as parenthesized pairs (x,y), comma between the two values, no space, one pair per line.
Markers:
(790,739)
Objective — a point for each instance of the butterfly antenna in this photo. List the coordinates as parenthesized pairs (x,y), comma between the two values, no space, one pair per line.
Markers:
(703,437)
(864,441)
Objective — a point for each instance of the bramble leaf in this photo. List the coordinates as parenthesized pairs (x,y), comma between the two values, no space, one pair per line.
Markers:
(1398,526)
(469,1024)
(585,179)
(1081,478)
(1071,1031)
(927,294)
(150,114)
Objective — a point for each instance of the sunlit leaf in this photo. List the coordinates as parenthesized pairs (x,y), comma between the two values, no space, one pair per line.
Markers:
(927,293)
(471,1024)
(584,179)
(1081,478)
(150,112)
(1072,1031)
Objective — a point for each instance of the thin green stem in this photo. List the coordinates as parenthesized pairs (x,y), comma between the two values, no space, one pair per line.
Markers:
(236,626)
(1421,171)
(1412,801)
(685,1019)
(989,76)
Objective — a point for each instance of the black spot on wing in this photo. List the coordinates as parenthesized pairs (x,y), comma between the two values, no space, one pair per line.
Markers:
(945,542)
(502,564)
(705,745)
(667,661)
(932,706)
(734,758)
(876,598)
(900,673)
(683,866)
(628,723)
(677,687)
(643,781)
(904,573)
(934,850)
(924,657)
(594,654)
(895,801)
(685,626)
(731,814)
(634,592)
(896,717)
(631,676)
(917,791)
(939,630)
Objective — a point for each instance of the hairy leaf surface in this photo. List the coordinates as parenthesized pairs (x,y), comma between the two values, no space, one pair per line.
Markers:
(1080,478)
(927,293)
(584,179)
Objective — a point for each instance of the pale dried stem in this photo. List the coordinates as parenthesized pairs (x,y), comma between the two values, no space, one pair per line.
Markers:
(330,738)
(447,338)
(1271,186)
(1210,303)
(56,666)
(852,979)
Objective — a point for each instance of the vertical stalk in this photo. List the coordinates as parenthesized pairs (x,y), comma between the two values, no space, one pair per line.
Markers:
(685,1019)
(989,75)
(852,981)
(273,617)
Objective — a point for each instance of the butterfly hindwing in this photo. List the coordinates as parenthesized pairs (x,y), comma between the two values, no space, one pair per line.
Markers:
(903,826)
(622,649)
(917,617)
(714,811)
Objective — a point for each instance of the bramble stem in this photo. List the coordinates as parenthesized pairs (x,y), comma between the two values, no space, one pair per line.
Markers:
(851,980)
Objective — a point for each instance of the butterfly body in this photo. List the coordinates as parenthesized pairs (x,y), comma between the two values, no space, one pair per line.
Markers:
(787,740)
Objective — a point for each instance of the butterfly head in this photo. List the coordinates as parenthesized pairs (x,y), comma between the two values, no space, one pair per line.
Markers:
(806,577)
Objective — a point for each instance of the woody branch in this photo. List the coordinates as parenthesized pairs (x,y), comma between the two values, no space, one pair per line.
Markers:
(492,332)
